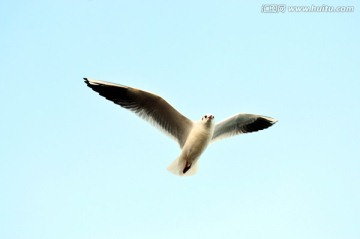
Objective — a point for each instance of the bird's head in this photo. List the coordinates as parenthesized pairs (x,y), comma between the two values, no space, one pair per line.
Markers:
(208,119)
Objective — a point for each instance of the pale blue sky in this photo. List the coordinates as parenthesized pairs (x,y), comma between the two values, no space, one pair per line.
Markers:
(73,165)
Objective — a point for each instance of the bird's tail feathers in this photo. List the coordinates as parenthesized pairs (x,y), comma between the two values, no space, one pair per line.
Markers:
(178,165)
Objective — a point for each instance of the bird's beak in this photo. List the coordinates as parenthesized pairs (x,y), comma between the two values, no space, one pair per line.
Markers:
(211,117)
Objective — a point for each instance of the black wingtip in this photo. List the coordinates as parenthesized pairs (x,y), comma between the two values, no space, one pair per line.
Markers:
(87,82)
(260,123)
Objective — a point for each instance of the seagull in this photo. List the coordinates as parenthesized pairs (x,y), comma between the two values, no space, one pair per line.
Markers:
(193,137)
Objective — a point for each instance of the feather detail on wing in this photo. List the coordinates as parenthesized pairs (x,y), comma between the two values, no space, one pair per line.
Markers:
(148,106)
(241,123)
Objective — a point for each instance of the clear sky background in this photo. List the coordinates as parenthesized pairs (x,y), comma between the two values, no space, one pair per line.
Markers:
(73,165)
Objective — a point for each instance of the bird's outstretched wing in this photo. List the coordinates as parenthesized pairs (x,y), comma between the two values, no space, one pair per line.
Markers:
(241,123)
(148,106)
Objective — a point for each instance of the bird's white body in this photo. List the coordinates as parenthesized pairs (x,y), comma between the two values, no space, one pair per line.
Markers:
(195,144)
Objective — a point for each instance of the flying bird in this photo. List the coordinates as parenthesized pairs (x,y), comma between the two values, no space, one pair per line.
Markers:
(192,136)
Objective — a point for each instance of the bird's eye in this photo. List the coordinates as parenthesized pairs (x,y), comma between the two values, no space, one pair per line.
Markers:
(205,116)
